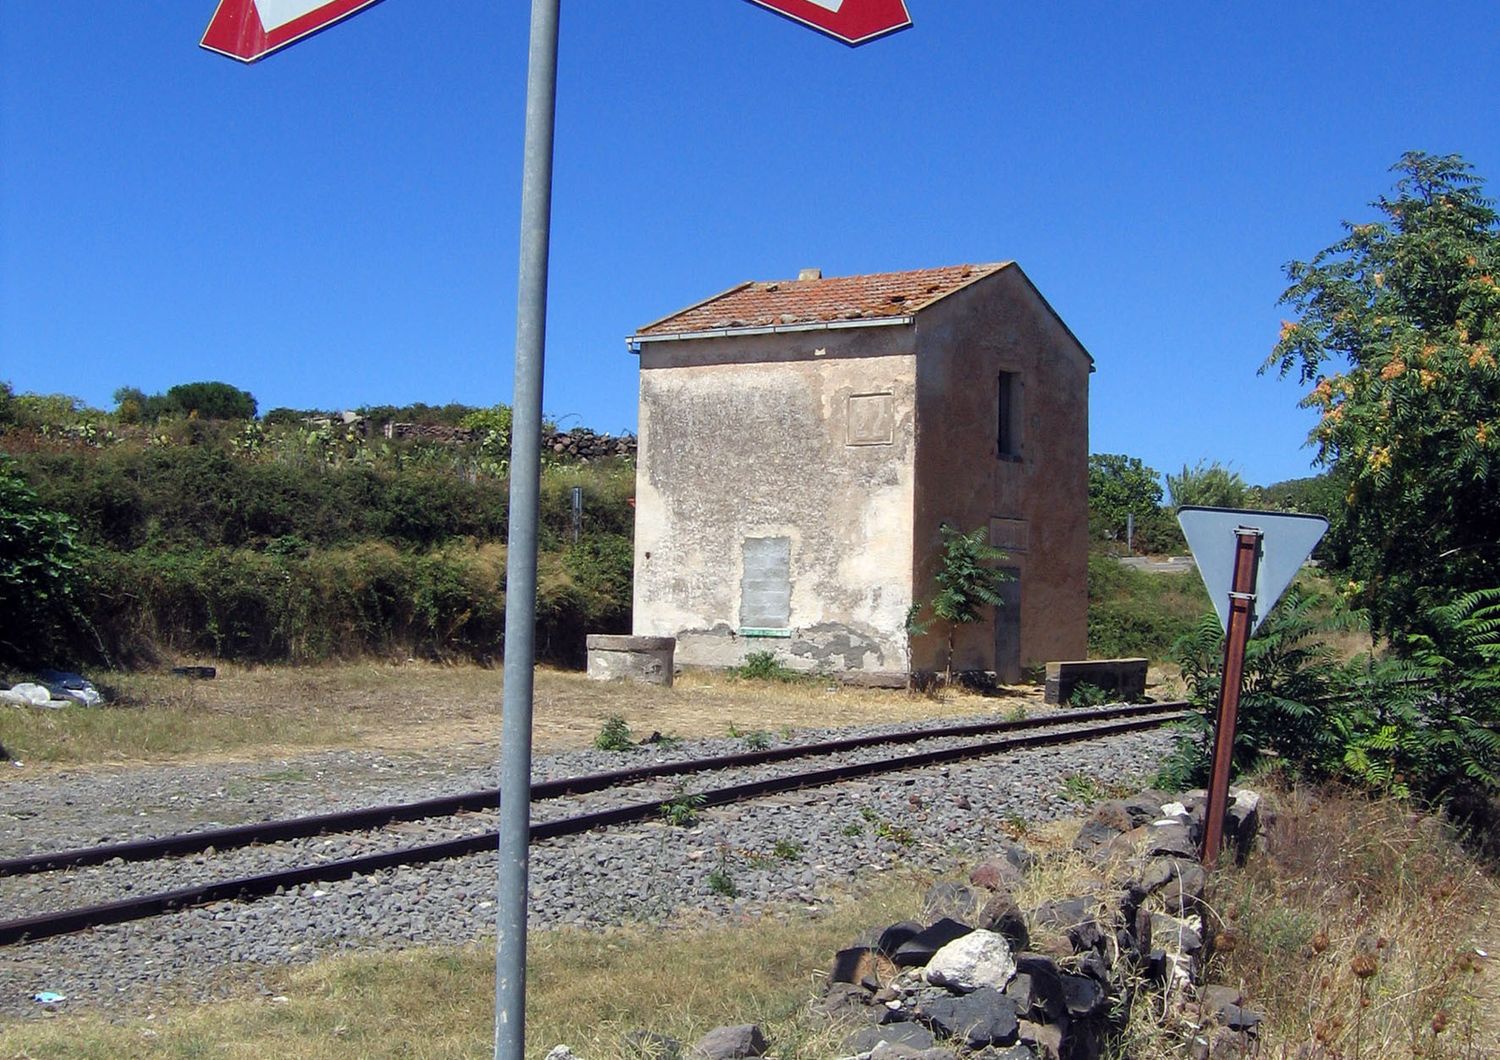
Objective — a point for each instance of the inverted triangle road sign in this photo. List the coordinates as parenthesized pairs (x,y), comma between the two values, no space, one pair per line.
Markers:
(1286,540)
(851,21)
(248,30)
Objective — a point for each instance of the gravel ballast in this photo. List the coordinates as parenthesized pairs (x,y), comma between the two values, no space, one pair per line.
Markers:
(783,852)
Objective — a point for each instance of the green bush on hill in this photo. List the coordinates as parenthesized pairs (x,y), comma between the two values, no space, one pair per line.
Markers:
(1132,613)
(289,540)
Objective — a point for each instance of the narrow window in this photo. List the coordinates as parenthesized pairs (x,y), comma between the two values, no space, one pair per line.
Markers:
(1008,419)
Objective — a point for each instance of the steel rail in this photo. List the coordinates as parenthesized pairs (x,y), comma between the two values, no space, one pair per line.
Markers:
(48,925)
(374,817)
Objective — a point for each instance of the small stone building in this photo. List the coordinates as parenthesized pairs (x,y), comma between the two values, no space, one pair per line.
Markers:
(803,441)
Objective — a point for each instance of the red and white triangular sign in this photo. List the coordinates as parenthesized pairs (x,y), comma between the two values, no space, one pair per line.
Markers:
(851,21)
(252,29)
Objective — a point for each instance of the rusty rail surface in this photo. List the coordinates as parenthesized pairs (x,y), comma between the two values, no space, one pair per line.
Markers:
(488,798)
(48,925)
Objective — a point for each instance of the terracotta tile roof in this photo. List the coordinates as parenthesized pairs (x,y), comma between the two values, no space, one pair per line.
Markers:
(787,303)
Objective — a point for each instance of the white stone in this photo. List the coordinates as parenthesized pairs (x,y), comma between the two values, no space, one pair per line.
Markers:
(562,1052)
(980,958)
(1173,809)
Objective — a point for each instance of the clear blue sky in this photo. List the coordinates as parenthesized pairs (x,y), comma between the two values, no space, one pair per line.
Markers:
(337,225)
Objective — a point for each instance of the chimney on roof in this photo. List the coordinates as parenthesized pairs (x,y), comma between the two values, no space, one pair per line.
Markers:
(810,274)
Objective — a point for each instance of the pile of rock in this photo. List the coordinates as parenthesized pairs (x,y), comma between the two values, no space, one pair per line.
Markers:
(580,443)
(442,433)
(978,977)
(587,445)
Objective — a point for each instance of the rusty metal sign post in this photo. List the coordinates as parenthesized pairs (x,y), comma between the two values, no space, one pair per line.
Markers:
(1244,584)
(1241,617)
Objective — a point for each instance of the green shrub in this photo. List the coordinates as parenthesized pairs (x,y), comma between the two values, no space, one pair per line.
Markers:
(681,810)
(764,666)
(721,883)
(39,575)
(1088,696)
(787,849)
(761,666)
(602,564)
(1082,788)
(1289,670)
(1423,723)
(614,735)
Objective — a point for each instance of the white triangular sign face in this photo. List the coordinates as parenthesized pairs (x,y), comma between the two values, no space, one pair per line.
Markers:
(1287,539)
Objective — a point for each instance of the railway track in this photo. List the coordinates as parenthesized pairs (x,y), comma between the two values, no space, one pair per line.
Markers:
(1002,736)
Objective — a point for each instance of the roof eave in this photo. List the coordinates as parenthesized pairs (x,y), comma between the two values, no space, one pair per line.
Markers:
(634,341)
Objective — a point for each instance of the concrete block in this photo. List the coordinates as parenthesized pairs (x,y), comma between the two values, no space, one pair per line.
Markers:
(644,659)
(1124,679)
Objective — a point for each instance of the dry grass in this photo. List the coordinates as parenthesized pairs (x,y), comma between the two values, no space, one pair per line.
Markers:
(1357,931)
(585,989)
(273,711)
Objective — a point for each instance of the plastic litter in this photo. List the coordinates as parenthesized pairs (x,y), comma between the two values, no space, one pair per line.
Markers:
(30,694)
(70,687)
(48,997)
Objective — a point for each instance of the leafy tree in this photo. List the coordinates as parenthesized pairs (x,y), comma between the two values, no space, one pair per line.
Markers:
(7,405)
(281,416)
(134,405)
(1210,485)
(1121,486)
(1314,495)
(417,412)
(212,401)
(966,582)
(1397,330)
(38,572)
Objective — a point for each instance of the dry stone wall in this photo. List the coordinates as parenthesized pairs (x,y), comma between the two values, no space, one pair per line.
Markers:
(979,978)
(580,443)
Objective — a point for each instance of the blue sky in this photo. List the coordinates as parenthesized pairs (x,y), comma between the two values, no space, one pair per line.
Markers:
(337,225)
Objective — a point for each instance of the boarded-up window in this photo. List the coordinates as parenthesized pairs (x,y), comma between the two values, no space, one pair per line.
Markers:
(1009,534)
(766,588)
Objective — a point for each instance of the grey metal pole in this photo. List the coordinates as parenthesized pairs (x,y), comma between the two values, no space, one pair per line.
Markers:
(520,565)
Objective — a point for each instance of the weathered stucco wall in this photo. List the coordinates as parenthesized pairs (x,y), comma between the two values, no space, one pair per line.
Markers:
(1035,501)
(807,436)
